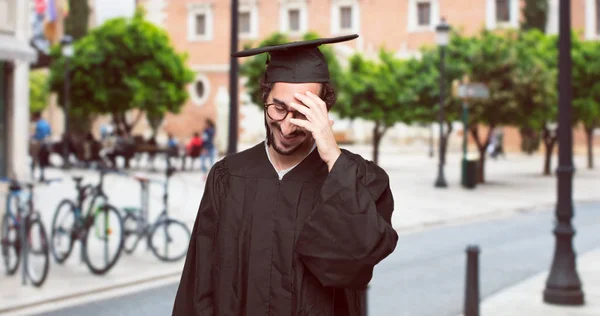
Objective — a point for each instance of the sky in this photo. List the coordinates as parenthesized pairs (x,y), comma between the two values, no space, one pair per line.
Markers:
(108,9)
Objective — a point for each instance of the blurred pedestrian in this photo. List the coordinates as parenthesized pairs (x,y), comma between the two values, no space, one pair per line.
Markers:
(40,145)
(208,152)
(88,145)
(496,147)
(172,149)
(193,149)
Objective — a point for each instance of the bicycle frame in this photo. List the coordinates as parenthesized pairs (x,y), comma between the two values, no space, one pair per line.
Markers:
(20,220)
(144,227)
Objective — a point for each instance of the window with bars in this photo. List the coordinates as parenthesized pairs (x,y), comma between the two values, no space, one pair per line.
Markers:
(423,13)
(244,22)
(502,11)
(200,24)
(346,17)
(294,20)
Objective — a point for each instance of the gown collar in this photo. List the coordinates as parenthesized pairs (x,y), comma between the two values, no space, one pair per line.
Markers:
(311,168)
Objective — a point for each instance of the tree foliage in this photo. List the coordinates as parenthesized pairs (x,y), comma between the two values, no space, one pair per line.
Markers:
(586,89)
(77,22)
(492,62)
(535,85)
(535,15)
(39,91)
(124,64)
(383,91)
(457,63)
(586,83)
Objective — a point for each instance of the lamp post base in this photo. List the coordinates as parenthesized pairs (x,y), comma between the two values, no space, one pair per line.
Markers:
(463,172)
(563,286)
(564,296)
(440,182)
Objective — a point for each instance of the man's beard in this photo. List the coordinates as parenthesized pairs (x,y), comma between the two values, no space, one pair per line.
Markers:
(271,139)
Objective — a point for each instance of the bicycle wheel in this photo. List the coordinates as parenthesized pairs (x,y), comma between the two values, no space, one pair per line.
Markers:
(103,239)
(37,256)
(62,234)
(10,245)
(130,234)
(169,240)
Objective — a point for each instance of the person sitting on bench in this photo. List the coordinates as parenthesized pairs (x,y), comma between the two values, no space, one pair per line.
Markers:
(193,149)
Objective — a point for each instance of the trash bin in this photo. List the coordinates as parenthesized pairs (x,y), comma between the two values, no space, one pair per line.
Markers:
(469,172)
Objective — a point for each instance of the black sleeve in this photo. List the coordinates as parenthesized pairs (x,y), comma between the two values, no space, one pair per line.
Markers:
(349,231)
(195,292)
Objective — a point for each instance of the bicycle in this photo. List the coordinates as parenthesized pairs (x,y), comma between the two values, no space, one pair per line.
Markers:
(102,222)
(137,225)
(23,233)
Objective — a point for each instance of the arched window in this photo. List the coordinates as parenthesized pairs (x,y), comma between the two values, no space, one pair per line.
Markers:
(200,90)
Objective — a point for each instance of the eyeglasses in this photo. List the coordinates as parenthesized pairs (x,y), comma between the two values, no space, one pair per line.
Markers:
(278,112)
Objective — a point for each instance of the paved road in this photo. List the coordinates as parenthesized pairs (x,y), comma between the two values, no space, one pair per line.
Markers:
(425,275)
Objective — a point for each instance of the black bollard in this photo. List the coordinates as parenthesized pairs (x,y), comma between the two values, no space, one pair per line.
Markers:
(365,301)
(472,282)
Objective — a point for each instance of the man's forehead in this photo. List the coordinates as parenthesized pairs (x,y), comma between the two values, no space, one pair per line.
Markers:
(285,91)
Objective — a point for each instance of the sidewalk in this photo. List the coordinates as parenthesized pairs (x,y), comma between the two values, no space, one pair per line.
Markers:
(514,185)
(526,298)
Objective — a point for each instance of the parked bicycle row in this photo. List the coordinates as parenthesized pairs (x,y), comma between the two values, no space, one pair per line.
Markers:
(102,229)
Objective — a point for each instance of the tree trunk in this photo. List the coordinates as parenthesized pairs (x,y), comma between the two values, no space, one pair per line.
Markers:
(548,159)
(589,133)
(481,146)
(376,139)
(549,142)
(445,141)
(378,132)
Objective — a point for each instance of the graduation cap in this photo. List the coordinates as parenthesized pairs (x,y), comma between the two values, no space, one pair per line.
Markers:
(296,62)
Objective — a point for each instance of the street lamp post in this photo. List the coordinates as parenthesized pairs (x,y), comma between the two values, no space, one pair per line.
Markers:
(431,140)
(465,119)
(442,38)
(233,82)
(67,51)
(563,286)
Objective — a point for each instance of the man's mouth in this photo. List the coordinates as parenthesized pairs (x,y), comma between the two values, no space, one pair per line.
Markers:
(288,139)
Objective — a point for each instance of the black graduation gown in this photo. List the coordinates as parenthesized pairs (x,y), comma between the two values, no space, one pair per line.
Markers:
(303,245)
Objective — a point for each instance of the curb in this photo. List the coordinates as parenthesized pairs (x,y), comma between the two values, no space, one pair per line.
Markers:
(495,214)
(98,290)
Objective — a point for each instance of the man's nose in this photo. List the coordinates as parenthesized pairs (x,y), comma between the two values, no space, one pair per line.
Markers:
(286,125)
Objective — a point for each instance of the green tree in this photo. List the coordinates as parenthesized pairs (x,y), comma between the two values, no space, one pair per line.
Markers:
(122,65)
(382,91)
(586,89)
(76,23)
(535,90)
(254,67)
(39,91)
(535,14)
(457,63)
(492,62)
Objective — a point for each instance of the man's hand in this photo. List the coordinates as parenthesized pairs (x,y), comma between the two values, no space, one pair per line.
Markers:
(318,123)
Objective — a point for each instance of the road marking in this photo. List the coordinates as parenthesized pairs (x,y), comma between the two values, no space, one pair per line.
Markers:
(96,296)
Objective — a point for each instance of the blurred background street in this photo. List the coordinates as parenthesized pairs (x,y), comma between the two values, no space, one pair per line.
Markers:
(484,113)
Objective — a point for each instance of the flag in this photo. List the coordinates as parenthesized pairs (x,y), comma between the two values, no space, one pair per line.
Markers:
(51,11)
(50,27)
(40,6)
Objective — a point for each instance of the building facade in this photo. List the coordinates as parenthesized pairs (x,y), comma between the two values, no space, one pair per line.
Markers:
(16,55)
(202,29)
